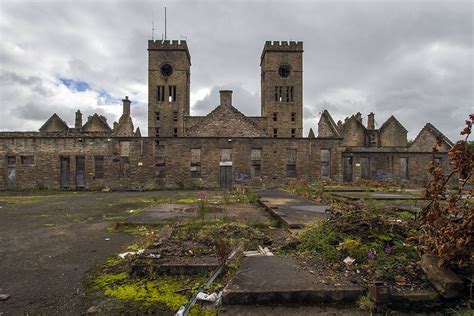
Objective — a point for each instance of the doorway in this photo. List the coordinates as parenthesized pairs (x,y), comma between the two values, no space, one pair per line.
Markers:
(365,168)
(226,177)
(80,172)
(11,173)
(347,163)
(65,171)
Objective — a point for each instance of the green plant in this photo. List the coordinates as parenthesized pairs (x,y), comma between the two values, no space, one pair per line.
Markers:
(365,303)
(320,238)
(406,216)
(355,249)
(372,206)
(202,209)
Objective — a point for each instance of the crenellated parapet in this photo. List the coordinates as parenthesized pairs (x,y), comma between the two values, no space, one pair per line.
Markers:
(173,45)
(282,46)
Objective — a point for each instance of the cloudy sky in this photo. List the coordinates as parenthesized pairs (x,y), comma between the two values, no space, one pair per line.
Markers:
(412,59)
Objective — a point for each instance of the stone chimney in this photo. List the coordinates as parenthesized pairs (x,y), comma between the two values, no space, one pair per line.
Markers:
(78,123)
(126,106)
(226,97)
(359,116)
(371,121)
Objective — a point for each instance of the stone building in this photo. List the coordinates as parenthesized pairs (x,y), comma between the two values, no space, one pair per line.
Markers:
(221,149)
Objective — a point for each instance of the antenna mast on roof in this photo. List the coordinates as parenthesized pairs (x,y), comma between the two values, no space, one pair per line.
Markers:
(165,23)
(152,26)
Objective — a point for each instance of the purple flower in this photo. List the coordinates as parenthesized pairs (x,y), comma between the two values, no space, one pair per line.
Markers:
(202,195)
(370,255)
(388,249)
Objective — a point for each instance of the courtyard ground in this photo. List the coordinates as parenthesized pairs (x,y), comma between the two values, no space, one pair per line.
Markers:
(48,241)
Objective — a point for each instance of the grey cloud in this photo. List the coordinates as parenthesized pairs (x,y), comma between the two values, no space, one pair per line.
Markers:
(372,47)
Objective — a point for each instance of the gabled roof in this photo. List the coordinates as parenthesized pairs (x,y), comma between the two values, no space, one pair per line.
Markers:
(350,119)
(54,124)
(124,126)
(327,120)
(226,121)
(311,133)
(96,123)
(390,119)
(435,132)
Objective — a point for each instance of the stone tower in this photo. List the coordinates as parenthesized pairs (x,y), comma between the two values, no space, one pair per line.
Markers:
(169,66)
(282,88)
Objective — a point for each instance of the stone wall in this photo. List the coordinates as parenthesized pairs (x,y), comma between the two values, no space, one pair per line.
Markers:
(393,135)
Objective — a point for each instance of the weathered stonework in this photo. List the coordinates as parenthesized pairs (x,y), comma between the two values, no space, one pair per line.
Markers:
(221,149)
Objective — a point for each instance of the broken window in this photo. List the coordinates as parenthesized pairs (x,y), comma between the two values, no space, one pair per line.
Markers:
(293,132)
(293,116)
(157,132)
(160,93)
(256,161)
(171,93)
(157,116)
(124,167)
(160,163)
(291,163)
(284,94)
(27,160)
(325,163)
(175,116)
(175,132)
(196,163)
(98,167)
(124,149)
(11,161)
(275,116)
(275,132)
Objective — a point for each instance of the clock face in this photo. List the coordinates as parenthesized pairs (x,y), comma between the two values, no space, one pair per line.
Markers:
(166,70)
(284,71)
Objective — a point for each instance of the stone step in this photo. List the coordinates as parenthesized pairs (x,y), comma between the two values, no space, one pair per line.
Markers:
(280,280)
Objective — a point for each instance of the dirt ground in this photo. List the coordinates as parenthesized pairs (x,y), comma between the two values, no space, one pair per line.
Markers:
(48,241)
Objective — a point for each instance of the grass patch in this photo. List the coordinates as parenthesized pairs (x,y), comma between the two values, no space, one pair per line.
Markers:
(319,239)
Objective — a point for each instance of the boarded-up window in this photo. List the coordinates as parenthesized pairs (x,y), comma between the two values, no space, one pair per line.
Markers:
(291,163)
(325,163)
(365,168)
(124,167)
(99,167)
(196,163)
(226,155)
(404,168)
(256,161)
(125,149)
(27,160)
(160,163)
(11,160)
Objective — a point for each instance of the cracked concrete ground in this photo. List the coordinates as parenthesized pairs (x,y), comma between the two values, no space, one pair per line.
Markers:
(48,241)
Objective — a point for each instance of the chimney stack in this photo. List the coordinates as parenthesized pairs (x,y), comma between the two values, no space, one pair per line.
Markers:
(371,121)
(226,97)
(126,106)
(359,116)
(78,123)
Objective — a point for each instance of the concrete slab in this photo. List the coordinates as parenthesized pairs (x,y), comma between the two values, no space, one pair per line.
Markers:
(378,195)
(294,211)
(266,280)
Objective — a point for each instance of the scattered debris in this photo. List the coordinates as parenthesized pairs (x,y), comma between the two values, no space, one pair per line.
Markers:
(201,296)
(107,239)
(445,281)
(4,297)
(259,252)
(348,260)
(130,253)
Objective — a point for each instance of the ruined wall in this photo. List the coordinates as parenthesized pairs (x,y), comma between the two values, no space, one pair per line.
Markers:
(148,163)
(425,141)
(393,135)
(354,133)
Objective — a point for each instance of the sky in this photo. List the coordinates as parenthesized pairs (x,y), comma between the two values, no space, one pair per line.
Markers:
(410,59)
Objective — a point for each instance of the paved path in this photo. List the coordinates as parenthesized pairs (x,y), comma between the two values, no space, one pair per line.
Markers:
(281,280)
(294,211)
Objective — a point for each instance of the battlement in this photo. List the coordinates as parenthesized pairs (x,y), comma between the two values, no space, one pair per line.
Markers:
(179,45)
(281,46)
